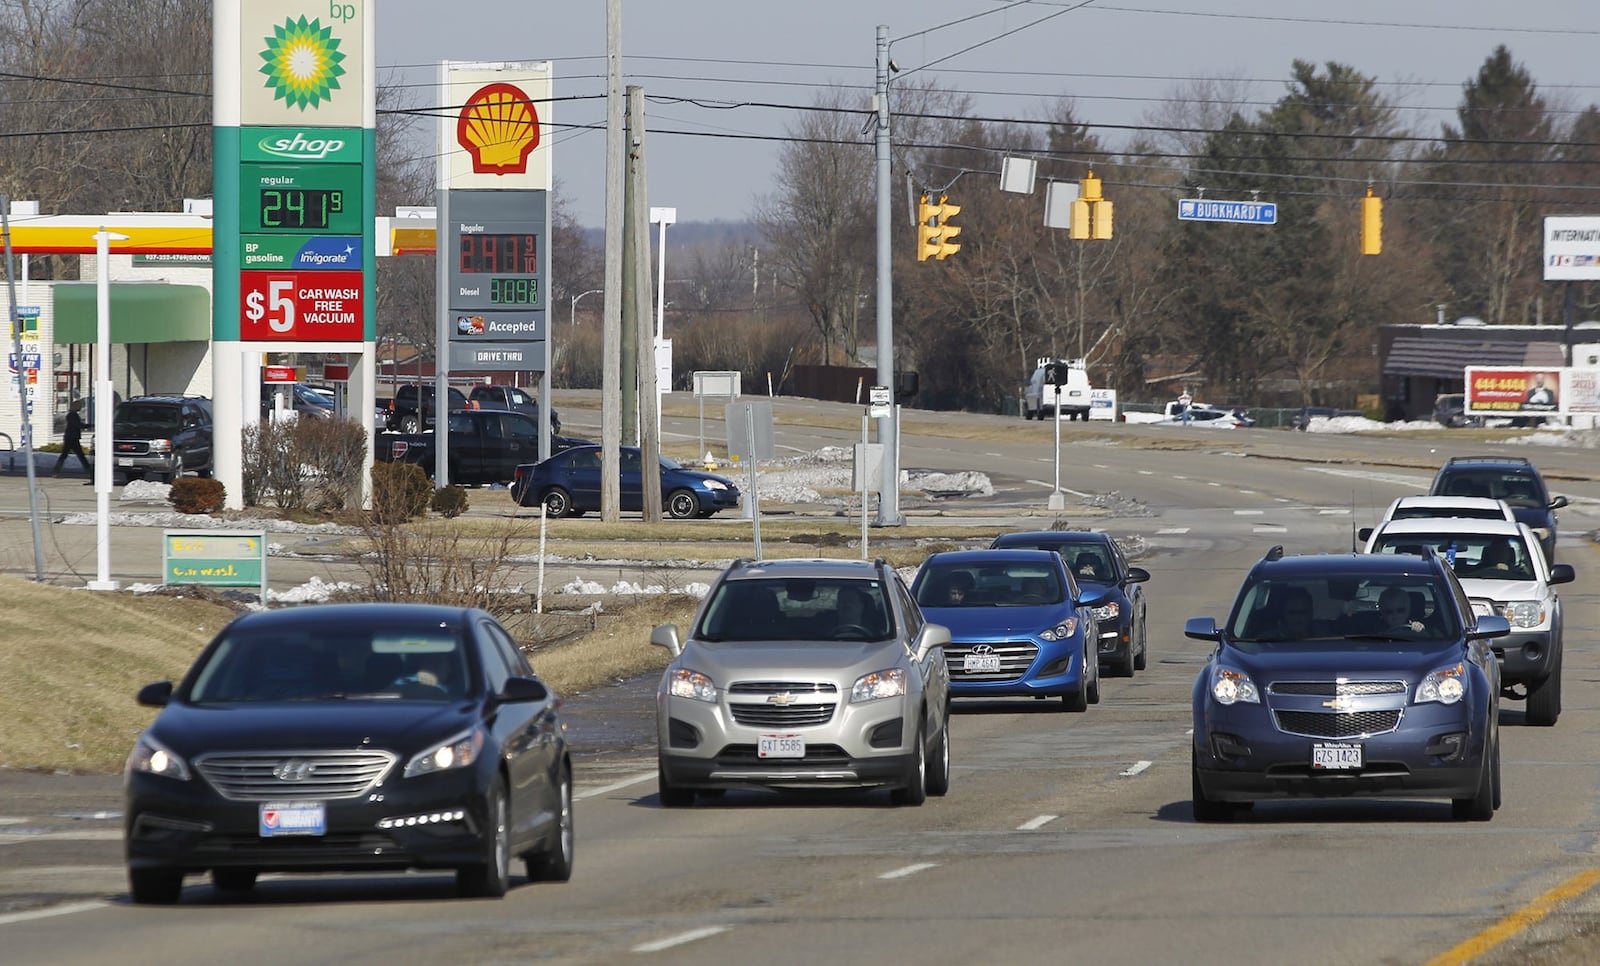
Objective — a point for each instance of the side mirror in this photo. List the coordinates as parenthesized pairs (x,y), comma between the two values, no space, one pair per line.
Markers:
(1136,575)
(522,689)
(1489,625)
(1562,574)
(1557,503)
(666,635)
(1202,629)
(932,636)
(156,695)
(1364,534)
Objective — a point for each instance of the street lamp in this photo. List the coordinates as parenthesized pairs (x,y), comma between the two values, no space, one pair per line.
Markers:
(572,319)
(663,217)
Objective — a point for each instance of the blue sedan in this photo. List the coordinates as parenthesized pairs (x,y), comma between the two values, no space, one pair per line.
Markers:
(568,484)
(1019,625)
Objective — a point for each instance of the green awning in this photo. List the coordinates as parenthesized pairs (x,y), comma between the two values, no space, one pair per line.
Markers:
(141,312)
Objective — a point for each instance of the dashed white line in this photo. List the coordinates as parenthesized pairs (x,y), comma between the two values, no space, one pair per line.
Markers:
(1213,483)
(1340,512)
(1248,513)
(1136,768)
(1147,473)
(65,910)
(1281,499)
(704,932)
(912,869)
(1251,492)
(1172,531)
(1037,822)
(614,786)
(1268,528)
(1176,477)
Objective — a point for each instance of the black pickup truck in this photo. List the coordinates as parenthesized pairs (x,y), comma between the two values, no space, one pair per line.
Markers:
(486,396)
(485,446)
(403,416)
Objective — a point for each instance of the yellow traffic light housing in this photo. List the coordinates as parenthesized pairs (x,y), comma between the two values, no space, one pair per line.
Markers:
(934,230)
(1091,213)
(947,231)
(1371,224)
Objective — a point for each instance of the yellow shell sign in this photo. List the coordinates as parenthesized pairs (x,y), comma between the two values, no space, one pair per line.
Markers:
(499,127)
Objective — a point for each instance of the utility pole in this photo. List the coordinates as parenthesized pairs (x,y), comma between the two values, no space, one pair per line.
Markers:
(888,426)
(611,370)
(15,318)
(644,340)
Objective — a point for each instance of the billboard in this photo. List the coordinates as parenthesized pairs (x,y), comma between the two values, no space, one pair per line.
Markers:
(1571,249)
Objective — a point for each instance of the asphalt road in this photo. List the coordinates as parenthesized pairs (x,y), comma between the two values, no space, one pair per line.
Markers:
(1063,837)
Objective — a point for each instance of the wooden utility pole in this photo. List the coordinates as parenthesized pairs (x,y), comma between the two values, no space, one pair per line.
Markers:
(611,372)
(644,338)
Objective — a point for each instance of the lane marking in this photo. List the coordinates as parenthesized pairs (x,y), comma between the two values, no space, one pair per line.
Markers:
(1248,513)
(66,910)
(1213,483)
(1268,528)
(913,869)
(1281,499)
(1518,921)
(1340,512)
(1251,492)
(1147,473)
(614,786)
(1037,822)
(1138,767)
(1172,531)
(704,932)
(1180,477)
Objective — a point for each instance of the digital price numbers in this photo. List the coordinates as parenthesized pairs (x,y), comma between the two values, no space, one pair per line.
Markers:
(513,291)
(300,209)
(500,253)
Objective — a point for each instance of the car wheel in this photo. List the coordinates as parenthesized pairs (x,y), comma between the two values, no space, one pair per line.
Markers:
(1124,665)
(205,474)
(683,505)
(410,424)
(155,887)
(555,863)
(1091,675)
(490,878)
(1143,656)
(1480,807)
(557,502)
(128,476)
(177,470)
(1497,772)
(1544,697)
(234,880)
(915,790)
(1205,810)
(672,796)
(1075,701)
(938,782)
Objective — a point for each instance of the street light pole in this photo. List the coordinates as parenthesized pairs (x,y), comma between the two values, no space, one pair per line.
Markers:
(572,318)
(662,217)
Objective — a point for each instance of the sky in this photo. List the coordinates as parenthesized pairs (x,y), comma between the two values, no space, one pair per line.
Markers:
(1117,60)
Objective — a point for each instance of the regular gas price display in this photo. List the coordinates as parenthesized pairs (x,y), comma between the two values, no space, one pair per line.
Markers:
(499,253)
(300,209)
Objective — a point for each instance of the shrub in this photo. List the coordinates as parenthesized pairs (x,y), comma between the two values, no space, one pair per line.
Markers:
(400,491)
(191,494)
(450,501)
(309,463)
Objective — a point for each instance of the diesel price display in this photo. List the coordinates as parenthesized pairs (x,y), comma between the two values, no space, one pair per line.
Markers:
(515,254)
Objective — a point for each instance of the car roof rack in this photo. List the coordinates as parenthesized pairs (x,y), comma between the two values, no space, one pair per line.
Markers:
(1517,460)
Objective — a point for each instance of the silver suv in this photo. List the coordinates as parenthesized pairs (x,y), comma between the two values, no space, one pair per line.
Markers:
(805,674)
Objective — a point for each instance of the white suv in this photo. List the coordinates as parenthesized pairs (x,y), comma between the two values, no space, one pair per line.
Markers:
(1465,507)
(1502,570)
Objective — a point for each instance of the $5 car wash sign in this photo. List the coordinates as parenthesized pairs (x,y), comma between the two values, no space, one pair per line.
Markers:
(288,306)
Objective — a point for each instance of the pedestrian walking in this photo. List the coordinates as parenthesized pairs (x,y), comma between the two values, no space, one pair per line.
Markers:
(72,440)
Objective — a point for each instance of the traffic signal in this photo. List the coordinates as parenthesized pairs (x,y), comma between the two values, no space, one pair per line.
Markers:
(1371,224)
(1091,213)
(934,230)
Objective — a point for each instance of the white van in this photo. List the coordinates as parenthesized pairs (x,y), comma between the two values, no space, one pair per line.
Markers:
(1070,399)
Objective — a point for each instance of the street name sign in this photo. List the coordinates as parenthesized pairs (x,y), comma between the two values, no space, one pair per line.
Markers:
(1238,212)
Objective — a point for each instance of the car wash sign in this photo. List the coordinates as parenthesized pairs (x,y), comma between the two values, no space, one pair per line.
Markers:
(1571,249)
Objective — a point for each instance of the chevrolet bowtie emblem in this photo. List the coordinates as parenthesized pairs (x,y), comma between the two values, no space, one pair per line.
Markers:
(1340,703)
(782,700)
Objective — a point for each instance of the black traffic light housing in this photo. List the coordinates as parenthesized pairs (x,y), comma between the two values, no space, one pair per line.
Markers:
(905,384)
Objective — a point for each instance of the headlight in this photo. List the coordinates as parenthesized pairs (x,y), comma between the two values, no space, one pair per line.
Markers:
(1522,613)
(1106,612)
(459,752)
(1229,686)
(1446,685)
(715,485)
(1061,631)
(152,758)
(887,683)
(684,683)
(161,446)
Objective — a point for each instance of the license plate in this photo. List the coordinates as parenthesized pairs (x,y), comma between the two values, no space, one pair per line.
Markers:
(1335,757)
(124,462)
(980,662)
(781,746)
(293,818)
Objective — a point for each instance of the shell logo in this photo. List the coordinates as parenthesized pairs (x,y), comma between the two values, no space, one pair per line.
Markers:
(499,128)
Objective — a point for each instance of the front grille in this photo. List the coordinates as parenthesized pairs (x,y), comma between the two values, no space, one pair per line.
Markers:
(1337,724)
(1336,688)
(782,687)
(1015,659)
(745,755)
(130,447)
(781,716)
(322,774)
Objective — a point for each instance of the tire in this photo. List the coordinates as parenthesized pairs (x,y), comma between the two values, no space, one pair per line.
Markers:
(1497,775)
(155,887)
(1091,665)
(410,425)
(683,505)
(938,780)
(234,880)
(1205,809)
(177,470)
(557,502)
(1480,807)
(555,863)
(1076,701)
(490,878)
(1143,657)
(128,476)
(915,790)
(671,796)
(1544,698)
(1124,666)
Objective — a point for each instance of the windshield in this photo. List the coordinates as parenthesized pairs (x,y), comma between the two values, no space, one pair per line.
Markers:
(996,585)
(1481,556)
(797,609)
(305,664)
(1517,489)
(1344,607)
(133,417)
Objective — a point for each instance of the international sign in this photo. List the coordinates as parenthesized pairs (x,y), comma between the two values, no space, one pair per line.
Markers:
(1571,249)
(1237,212)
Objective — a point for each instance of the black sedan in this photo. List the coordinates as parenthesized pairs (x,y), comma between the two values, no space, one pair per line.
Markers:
(1102,570)
(1348,675)
(346,738)
(568,484)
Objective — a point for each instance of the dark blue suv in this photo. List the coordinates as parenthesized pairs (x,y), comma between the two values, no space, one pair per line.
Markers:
(1512,479)
(1348,675)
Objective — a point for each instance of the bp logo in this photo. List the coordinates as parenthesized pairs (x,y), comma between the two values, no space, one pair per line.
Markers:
(303,62)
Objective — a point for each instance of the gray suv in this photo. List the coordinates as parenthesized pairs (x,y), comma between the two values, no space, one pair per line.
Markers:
(805,674)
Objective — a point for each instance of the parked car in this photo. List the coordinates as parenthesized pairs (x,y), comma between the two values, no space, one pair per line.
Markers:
(1510,478)
(514,399)
(486,446)
(162,435)
(1450,409)
(1101,569)
(405,415)
(1302,419)
(568,484)
(350,738)
(1019,625)
(804,674)
(1347,675)
(302,400)
(1503,572)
